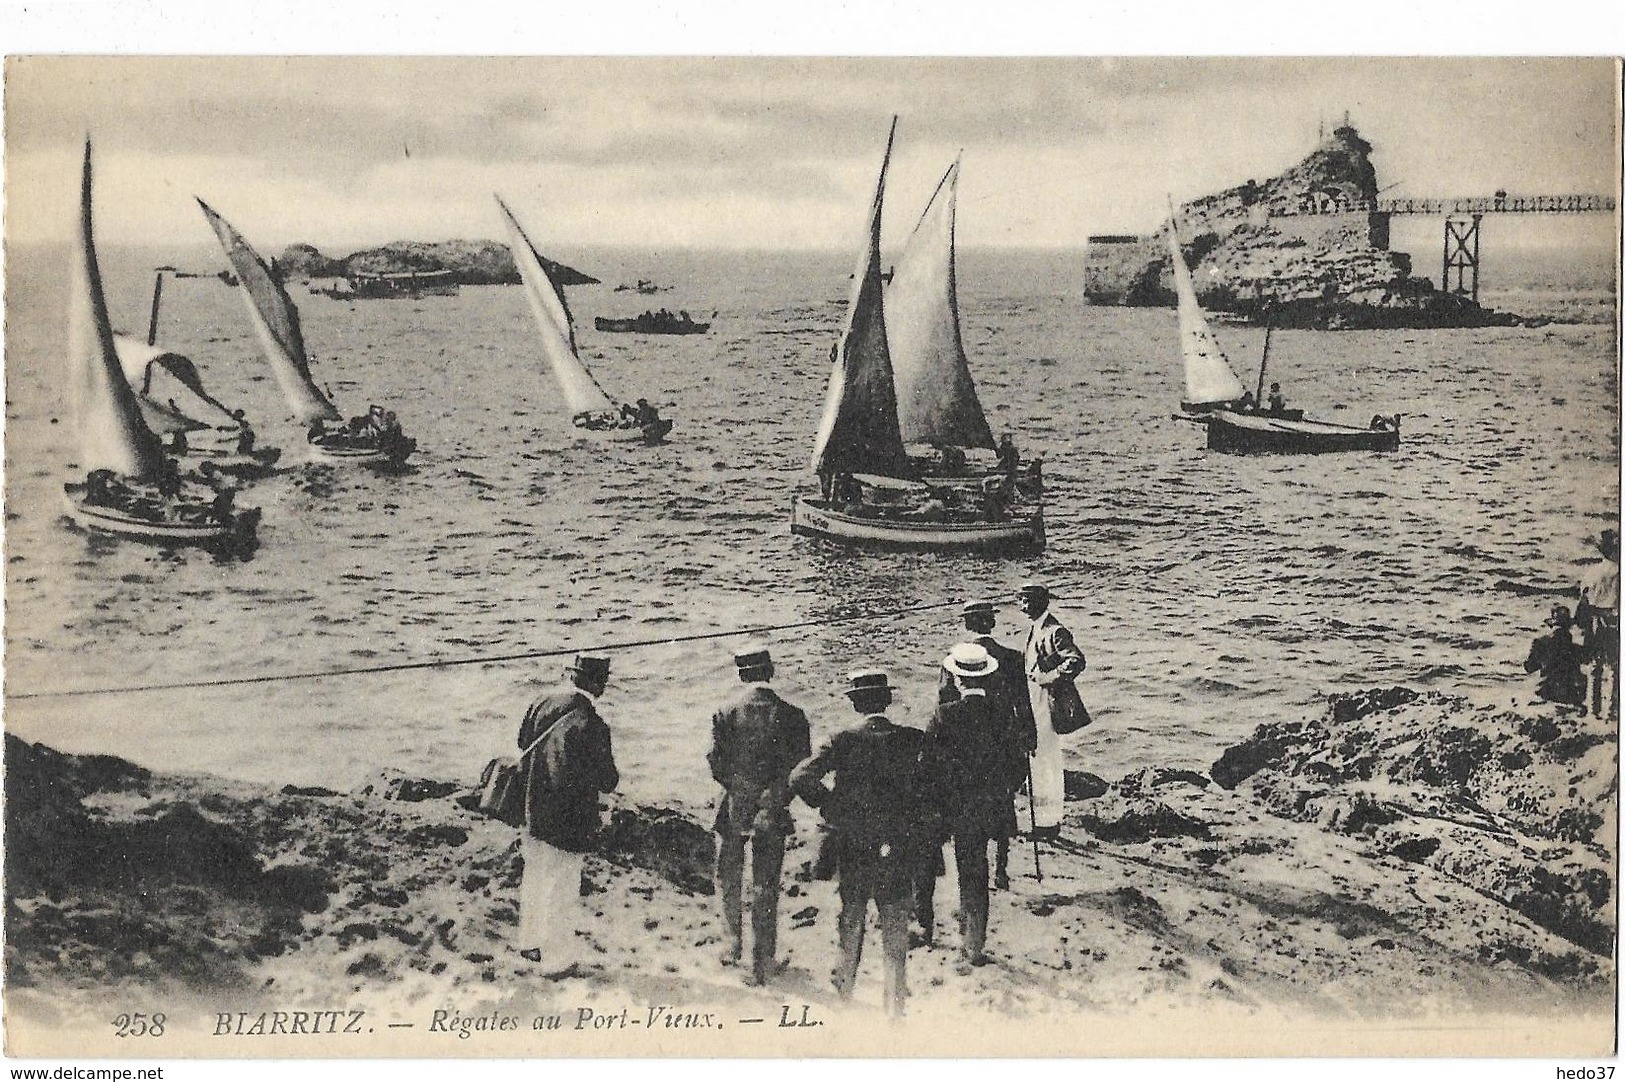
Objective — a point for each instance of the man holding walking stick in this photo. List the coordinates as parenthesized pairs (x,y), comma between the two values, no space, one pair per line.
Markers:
(1053,663)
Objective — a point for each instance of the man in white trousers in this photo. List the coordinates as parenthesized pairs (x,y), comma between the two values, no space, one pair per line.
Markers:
(1053,663)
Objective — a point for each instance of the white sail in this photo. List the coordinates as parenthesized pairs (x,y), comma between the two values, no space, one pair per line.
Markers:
(276,322)
(581,392)
(168,388)
(111,432)
(859,431)
(936,397)
(1209,379)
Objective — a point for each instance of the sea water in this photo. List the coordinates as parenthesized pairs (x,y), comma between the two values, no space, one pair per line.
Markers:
(1209,592)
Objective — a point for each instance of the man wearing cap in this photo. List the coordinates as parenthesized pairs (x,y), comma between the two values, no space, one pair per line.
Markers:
(757,739)
(568,763)
(977,770)
(1556,657)
(882,809)
(1053,662)
(1008,692)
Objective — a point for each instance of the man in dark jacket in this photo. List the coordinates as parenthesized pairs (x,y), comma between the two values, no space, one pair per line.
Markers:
(1008,691)
(1556,656)
(882,810)
(1053,662)
(757,739)
(977,769)
(568,762)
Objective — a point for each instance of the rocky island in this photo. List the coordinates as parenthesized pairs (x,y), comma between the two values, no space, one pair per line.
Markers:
(471,262)
(1306,248)
(1400,866)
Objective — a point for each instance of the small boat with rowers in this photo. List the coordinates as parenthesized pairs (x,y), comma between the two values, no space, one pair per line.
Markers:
(873,491)
(131,489)
(373,438)
(592,412)
(1235,422)
(661,322)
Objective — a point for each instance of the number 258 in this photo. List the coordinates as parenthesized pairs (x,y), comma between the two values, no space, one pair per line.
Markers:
(138,1025)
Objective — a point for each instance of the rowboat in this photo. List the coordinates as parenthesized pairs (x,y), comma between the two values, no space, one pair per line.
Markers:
(1253,433)
(592,412)
(902,451)
(131,489)
(365,439)
(651,323)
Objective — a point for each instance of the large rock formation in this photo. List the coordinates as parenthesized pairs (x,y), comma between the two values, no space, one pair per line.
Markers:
(476,262)
(1254,250)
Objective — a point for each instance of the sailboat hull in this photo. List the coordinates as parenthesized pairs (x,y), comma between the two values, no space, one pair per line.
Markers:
(814,518)
(362,454)
(1241,433)
(111,520)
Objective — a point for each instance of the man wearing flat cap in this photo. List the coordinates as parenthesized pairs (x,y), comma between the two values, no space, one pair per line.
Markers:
(977,776)
(568,761)
(757,739)
(882,810)
(1007,691)
(1053,663)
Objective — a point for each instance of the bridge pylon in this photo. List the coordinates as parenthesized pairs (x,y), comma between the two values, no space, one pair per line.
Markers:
(1461,256)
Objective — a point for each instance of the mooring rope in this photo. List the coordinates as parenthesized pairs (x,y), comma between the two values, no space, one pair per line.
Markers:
(1057,592)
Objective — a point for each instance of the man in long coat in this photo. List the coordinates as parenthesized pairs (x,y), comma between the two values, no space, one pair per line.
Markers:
(882,809)
(1053,662)
(1008,691)
(568,761)
(757,739)
(977,774)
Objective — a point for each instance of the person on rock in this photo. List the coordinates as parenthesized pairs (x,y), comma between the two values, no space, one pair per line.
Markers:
(1053,664)
(1597,616)
(1556,657)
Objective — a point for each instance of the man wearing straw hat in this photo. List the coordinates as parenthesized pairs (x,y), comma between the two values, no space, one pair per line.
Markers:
(757,739)
(1007,690)
(977,777)
(568,763)
(1053,662)
(882,809)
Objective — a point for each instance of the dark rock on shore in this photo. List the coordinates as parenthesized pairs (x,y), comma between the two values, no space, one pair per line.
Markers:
(1255,252)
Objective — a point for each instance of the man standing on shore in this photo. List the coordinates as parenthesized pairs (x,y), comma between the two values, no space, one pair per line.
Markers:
(757,739)
(1053,662)
(569,762)
(976,781)
(1598,618)
(882,810)
(1007,690)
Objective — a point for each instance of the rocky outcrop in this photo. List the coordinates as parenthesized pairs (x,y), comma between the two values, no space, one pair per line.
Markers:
(477,262)
(1520,805)
(1255,252)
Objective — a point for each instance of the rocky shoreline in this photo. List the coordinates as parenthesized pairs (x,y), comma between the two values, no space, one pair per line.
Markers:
(471,262)
(1401,855)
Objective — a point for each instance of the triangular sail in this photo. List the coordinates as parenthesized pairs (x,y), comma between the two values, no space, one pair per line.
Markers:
(168,388)
(581,392)
(859,431)
(276,321)
(111,432)
(1209,379)
(936,397)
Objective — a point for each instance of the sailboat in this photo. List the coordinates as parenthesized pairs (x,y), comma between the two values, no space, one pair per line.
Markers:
(373,439)
(591,410)
(203,432)
(872,491)
(1216,398)
(131,489)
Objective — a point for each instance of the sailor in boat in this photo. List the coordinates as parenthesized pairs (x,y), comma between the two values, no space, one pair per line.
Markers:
(1053,663)
(1009,457)
(1248,404)
(643,415)
(245,432)
(1277,399)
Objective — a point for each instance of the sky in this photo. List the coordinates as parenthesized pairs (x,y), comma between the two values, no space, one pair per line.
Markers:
(774,152)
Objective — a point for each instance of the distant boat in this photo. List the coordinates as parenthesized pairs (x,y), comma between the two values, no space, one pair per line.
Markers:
(372,439)
(661,322)
(644,286)
(1216,398)
(591,410)
(872,492)
(401,285)
(131,489)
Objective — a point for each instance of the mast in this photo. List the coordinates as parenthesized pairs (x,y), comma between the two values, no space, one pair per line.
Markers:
(936,396)
(152,322)
(1262,362)
(859,431)
(111,432)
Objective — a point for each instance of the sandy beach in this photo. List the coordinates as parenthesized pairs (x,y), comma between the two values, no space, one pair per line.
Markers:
(1402,871)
